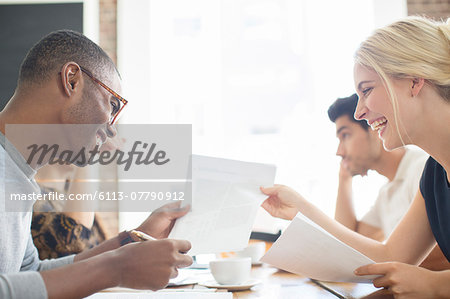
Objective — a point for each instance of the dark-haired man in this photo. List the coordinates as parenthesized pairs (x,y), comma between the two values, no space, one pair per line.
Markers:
(67,79)
(361,150)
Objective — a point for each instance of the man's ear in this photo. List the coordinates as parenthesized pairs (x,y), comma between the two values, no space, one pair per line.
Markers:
(71,76)
(416,86)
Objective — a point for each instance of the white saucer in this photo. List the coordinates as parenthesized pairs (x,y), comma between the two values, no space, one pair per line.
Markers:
(231,287)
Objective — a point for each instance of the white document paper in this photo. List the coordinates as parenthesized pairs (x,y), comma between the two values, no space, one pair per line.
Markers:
(307,249)
(225,199)
(187,276)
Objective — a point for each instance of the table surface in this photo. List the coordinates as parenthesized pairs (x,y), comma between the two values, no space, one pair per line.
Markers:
(280,284)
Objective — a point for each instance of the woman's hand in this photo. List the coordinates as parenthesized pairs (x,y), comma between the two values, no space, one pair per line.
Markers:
(283,202)
(407,281)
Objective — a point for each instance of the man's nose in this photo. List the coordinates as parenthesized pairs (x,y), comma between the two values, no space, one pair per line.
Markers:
(340,150)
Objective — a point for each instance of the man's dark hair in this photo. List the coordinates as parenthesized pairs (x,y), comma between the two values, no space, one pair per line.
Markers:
(346,106)
(48,55)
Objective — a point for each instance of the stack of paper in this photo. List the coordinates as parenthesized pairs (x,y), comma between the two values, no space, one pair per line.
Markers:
(307,249)
(225,200)
(178,294)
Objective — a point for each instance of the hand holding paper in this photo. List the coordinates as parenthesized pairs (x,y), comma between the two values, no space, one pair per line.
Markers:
(226,197)
(160,222)
(307,249)
(282,201)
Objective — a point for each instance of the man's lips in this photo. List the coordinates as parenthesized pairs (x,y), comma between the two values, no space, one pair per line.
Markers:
(101,137)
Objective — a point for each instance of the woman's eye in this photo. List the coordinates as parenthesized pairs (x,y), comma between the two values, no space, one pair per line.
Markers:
(366,91)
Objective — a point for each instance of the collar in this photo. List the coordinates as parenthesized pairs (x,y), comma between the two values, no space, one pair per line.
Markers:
(16,157)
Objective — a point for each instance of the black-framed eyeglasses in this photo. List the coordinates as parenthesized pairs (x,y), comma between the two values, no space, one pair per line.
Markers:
(117,109)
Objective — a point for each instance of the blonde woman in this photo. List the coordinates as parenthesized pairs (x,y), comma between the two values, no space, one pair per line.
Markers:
(402,77)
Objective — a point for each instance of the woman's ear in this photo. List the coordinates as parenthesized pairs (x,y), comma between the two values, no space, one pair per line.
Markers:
(70,77)
(416,86)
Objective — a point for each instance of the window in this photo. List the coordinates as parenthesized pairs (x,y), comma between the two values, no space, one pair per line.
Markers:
(255,78)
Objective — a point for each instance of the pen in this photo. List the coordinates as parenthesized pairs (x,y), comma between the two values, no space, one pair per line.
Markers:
(142,236)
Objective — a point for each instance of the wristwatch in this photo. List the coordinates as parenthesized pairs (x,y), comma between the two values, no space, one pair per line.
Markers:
(125,237)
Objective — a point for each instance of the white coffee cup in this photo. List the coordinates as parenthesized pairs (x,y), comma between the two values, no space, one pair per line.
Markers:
(255,251)
(231,271)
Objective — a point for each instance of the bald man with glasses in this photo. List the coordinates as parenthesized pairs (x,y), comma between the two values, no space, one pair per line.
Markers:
(68,79)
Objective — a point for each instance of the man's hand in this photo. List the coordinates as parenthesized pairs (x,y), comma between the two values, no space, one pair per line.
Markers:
(405,281)
(150,264)
(141,265)
(161,221)
(283,202)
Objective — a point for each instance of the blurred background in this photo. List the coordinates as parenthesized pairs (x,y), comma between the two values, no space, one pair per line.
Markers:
(253,77)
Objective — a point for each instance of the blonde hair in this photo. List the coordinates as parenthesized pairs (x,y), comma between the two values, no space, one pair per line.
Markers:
(414,47)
